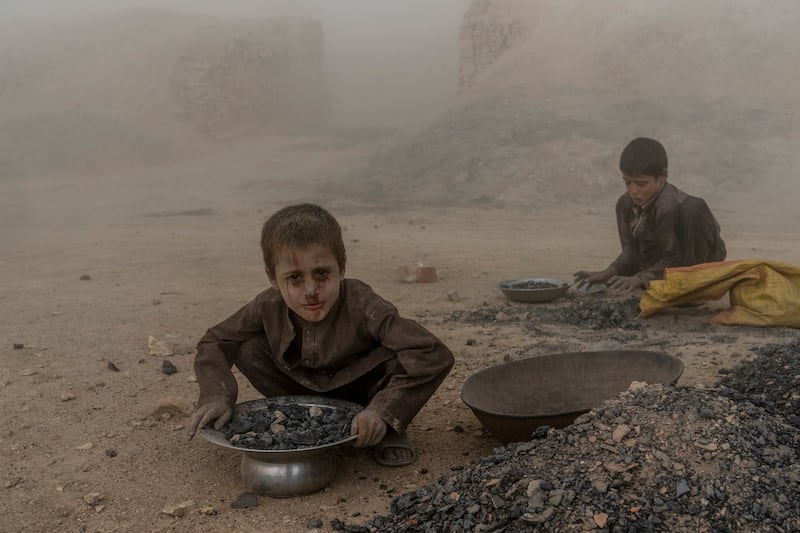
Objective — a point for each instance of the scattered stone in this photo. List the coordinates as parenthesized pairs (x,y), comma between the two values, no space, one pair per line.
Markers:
(85,277)
(417,273)
(178,509)
(637,385)
(12,482)
(600,519)
(208,510)
(111,453)
(158,348)
(92,498)
(314,523)
(168,368)
(245,501)
(620,433)
(681,488)
(173,406)
(85,446)
(471,342)
(427,274)
(540,432)
(453,296)
(111,366)
(67,396)
(407,274)
(18,345)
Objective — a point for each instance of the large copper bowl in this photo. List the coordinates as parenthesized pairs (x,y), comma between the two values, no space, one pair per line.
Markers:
(512,399)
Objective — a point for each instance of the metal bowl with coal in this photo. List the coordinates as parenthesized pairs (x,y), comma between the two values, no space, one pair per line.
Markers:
(288,443)
(512,400)
(534,290)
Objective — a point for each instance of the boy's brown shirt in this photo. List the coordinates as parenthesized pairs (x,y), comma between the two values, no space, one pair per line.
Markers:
(362,331)
(674,229)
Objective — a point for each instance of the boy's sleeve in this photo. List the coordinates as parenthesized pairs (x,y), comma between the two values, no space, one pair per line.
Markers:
(627,262)
(670,249)
(424,362)
(217,350)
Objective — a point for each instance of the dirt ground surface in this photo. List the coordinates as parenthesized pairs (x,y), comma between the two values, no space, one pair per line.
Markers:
(91,270)
(114,232)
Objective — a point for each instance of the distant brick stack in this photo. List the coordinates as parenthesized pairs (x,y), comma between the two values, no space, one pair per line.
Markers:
(251,77)
(490,27)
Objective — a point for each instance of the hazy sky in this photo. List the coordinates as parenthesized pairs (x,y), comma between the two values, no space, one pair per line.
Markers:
(388,62)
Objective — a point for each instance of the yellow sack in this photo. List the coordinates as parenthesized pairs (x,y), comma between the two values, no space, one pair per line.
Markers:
(762,293)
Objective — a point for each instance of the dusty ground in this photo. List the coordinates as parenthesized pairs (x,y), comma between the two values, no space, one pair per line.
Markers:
(172,251)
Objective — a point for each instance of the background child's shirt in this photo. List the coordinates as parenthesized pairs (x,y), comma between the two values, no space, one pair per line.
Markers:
(675,229)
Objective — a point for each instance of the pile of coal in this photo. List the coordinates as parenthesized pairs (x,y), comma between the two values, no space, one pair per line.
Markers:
(601,313)
(771,380)
(660,458)
(289,427)
(532,284)
(485,314)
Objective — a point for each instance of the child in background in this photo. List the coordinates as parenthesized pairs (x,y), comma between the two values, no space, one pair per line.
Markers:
(316,333)
(659,225)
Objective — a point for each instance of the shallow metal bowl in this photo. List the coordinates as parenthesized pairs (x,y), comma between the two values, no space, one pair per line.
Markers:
(512,399)
(286,473)
(515,291)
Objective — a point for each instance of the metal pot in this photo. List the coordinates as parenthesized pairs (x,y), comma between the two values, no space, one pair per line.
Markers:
(512,399)
(286,473)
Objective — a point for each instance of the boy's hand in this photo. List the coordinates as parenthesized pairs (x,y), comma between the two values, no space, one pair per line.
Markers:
(220,411)
(369,428)
(586,277)
(625,283)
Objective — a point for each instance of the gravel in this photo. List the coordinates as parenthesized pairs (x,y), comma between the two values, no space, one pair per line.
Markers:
(658,458)
(288,427)
(601,313)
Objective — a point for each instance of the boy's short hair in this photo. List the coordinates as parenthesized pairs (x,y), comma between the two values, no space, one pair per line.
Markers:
(643,157)
(299,226)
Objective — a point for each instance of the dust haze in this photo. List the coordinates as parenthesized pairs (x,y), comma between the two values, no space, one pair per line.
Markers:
(374,104)
(143,144)
(457,101)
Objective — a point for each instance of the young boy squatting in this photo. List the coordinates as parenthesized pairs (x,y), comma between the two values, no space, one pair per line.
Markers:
(316,333)
(659,225)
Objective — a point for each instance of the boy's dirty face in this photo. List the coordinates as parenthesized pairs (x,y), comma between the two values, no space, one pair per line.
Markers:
(642,189)
(308,279)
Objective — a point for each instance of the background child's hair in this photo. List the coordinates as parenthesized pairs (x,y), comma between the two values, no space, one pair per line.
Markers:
(643,157)
(299,226)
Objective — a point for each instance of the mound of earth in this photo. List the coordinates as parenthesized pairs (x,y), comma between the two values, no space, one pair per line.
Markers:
(546,121)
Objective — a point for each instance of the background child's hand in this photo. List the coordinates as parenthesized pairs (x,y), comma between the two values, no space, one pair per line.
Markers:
(586,277)
(218,410)
(368,427)
(625,283)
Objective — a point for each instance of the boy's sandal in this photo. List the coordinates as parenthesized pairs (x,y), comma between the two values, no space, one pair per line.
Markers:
(393,440)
